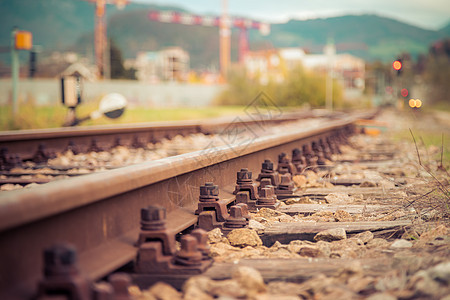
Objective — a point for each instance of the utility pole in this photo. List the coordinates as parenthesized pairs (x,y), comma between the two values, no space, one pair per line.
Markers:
(330,51)
(225,34)
(14,71)
(100,36)
(20,40)
(101,43)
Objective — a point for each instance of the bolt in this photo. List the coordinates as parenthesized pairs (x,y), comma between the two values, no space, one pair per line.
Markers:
(285,179)
(117,142)
(265,182)
(60,259)
(120,283)
(94,146)
(236,219)
(244,176)
(267,166)
(153,218)
(103,291)
(202,241)
(209,192)
(282,157)
(307,149)
(189,255)
(265,193)
(73,147)
(296,154)
(267,196)
(244,209)
(315,147)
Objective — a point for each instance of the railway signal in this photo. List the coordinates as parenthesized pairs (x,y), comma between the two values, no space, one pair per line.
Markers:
(415,103)
(397,65)
(23,40)
(20,40)
(112,105)
(404,92)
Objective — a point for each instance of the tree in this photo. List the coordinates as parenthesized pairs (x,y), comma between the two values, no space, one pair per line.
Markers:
(437,72)
(298,87)
(118,71)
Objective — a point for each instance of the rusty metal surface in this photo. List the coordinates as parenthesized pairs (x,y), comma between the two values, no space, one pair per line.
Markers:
(99,213)
(25,143)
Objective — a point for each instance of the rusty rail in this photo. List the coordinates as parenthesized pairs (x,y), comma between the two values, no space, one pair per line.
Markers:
(99,213)
(27,144)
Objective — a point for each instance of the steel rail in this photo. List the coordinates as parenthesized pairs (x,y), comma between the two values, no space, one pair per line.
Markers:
(99,213)
(24,143)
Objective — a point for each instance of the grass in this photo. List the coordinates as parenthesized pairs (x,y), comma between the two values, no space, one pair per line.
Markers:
(433,140)
(426,139)
(35,117)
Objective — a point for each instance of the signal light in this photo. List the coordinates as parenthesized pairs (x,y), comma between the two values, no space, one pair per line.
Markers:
(415,103)
(404,92)
(418,103)
(397,65)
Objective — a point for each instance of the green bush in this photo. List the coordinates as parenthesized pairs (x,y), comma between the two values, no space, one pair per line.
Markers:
(299,87)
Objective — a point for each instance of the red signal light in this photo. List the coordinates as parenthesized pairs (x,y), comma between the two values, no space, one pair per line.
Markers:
(404,92)
(397,65)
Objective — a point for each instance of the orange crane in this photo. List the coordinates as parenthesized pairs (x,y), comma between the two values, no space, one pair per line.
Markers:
(100,38)
(224,23)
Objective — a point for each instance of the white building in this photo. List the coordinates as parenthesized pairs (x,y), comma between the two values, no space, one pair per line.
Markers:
(347,69)
(171,64)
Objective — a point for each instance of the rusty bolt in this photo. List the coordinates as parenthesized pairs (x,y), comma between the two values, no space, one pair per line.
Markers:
(267,196)
(267,166)
(153,218)
(282,157)
(286,180)
(60,259)
(120,283)
(296,154)
(209,192)
(265,182)
(236,219)
(244,176)
(316,147)
(307,149)
(103,291)
(244,209)
(189,254)
(265,193)
(202,241)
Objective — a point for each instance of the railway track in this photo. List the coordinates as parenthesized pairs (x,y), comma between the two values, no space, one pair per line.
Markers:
(40,156)
(40,145)
(126,215)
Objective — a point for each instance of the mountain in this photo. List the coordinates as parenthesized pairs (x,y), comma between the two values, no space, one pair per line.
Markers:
(445,30)
(68,25)
(369,36)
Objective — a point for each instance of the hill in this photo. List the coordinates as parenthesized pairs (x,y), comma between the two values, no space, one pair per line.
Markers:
(371,37)
(68,25)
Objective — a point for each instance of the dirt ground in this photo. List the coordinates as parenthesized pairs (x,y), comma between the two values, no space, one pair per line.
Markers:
(412,261)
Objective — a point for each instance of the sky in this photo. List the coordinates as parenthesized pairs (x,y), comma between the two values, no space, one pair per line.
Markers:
(428,14)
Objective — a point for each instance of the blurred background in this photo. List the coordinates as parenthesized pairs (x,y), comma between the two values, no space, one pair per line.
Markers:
(197,59)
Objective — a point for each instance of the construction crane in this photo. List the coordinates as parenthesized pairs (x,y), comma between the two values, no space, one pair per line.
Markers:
(224,23)
(100,38)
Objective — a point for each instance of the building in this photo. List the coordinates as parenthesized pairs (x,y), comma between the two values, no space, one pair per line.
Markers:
(274,64)
(266,65)
(171,64)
